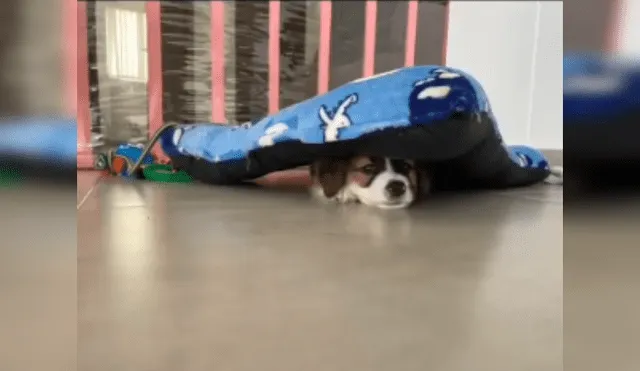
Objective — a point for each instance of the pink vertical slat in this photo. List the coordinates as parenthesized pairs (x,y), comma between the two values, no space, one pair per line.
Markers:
(274,56)
(412,29)
(70,32)
(445,41)
(324,49)
(154,59)
(613,28)
(82,105)
(217,62)
(371,13)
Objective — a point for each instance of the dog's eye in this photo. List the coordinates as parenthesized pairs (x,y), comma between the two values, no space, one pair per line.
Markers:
(405,166)
(368,169)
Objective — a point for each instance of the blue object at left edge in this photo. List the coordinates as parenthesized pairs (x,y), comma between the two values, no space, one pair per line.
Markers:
(46,139)
(421,95)
(597,88)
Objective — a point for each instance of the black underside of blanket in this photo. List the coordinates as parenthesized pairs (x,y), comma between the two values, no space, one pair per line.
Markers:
(465,152)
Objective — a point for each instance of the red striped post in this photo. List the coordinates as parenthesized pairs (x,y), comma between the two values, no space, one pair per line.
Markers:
(324,47)
(217,63)
(411,34)
(371,15)
(614,25)
(82,99)
(274,56)
(445,41)
(154,59)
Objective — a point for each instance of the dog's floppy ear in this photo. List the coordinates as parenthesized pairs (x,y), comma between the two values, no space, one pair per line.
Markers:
(331,174)
(425,179)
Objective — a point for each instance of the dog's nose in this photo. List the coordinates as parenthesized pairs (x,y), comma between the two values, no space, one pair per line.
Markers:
(395,188)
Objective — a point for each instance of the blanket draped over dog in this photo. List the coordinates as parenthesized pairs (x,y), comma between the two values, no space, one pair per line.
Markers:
(436,115)
(601,110)
(39,147)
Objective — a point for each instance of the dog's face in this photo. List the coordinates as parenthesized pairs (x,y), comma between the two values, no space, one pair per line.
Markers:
(374,181)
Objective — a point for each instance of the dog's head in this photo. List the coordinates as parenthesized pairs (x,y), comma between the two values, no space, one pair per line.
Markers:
(374,181)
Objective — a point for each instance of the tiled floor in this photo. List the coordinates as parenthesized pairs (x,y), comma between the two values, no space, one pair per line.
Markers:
(204,278)
(602,285)
(38,260)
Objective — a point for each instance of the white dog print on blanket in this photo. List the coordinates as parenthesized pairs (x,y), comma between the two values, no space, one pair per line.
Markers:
(340,119)
(272,132)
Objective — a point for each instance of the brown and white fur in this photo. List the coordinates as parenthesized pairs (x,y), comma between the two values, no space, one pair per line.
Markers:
(374,181)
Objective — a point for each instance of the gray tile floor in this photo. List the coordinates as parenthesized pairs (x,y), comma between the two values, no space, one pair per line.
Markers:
(602,285)
(204,278)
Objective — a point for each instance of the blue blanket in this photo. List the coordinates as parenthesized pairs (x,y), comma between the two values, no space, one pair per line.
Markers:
(601,120)
(422,95)
(597,88)
(46,139)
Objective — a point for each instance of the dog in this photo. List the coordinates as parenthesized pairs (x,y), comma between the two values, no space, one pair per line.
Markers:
(373,181)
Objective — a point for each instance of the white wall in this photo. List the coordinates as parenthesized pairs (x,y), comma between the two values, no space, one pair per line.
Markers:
(629,29)
(545,121)
(515,50)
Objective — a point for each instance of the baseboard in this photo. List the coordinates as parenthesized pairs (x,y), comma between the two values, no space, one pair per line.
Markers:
(85,160)
(555,156)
